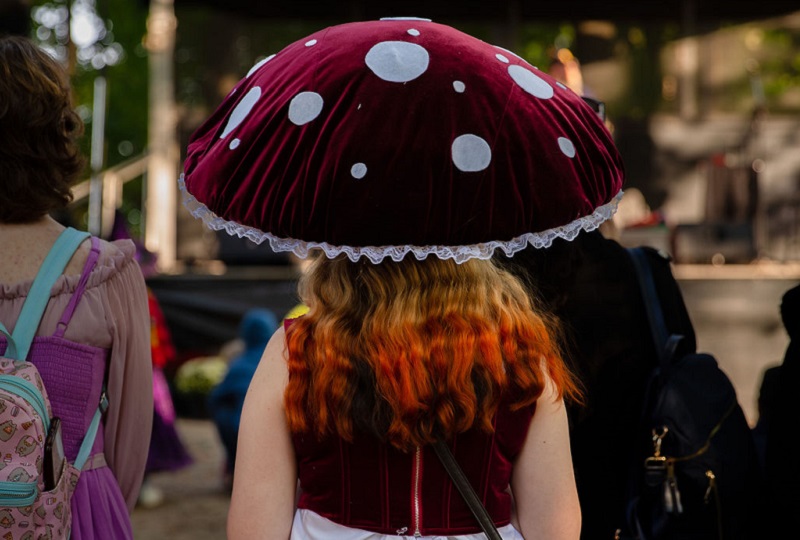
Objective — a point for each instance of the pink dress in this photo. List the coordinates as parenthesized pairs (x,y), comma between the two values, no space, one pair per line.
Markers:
(109,334)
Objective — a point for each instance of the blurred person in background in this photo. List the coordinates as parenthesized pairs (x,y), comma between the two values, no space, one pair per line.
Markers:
(167,451)
(591,286)
(781,463)
(226,399)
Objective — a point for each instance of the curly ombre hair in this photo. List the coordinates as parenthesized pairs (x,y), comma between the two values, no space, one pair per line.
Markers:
(413,350)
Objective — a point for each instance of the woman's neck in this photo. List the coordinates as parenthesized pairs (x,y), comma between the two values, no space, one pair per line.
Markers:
(44,223)
(24,247)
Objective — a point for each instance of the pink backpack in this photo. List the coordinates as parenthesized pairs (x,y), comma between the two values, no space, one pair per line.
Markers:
(31,451)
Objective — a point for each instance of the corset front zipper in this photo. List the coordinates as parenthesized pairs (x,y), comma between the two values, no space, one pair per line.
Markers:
(417,502)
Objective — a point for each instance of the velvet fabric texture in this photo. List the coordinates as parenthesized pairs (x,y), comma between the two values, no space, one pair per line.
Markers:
(370,485)
(397,133)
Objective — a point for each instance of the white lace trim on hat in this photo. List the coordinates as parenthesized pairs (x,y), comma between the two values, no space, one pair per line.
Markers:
(376,254)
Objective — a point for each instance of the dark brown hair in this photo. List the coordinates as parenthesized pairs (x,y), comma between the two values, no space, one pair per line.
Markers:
(39,154)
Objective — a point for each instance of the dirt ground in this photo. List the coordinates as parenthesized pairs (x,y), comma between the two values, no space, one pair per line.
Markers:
(195,503)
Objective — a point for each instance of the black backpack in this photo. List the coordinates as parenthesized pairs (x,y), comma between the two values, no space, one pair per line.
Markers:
(696,474)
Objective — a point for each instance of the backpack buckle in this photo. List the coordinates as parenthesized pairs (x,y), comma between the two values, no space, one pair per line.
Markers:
(103,402)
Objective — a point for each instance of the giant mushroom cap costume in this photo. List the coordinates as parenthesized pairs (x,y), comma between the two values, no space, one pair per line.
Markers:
(383,138)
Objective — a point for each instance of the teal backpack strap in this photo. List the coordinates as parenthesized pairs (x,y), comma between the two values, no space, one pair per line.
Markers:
(8,336)
(52,267)
(91,433)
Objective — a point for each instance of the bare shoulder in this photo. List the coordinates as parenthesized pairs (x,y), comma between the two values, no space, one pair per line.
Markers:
(277,343)
(25,247)
(273,371)
(275,353)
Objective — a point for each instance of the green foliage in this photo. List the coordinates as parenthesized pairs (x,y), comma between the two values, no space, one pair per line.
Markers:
(125,71)
(540,41)
(779,69)
(206,69)
(644,93)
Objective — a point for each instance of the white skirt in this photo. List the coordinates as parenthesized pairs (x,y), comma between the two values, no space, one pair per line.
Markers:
(309,525)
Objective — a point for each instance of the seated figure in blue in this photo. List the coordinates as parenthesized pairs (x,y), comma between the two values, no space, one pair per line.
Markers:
(227,398)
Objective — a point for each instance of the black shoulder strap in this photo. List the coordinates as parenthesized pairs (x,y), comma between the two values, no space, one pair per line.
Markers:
(465,488)
(665,343)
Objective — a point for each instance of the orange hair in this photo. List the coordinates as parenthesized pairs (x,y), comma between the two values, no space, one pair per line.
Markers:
(414,349)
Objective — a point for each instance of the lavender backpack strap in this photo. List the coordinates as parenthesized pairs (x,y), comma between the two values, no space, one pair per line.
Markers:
(91,262)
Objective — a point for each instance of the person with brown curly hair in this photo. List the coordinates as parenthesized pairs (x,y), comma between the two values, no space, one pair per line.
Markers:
(94,333)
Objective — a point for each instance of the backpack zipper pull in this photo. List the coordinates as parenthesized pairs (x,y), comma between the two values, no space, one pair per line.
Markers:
(712,486)
(672,486)
(656,464)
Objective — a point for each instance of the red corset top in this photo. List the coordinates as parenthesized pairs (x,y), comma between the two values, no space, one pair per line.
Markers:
(372,486)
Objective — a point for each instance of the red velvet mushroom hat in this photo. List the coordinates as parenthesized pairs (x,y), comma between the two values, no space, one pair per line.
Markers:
(382,138)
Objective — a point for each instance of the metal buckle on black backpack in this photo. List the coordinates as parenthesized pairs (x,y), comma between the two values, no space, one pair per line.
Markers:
(655,466)
(660,471)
